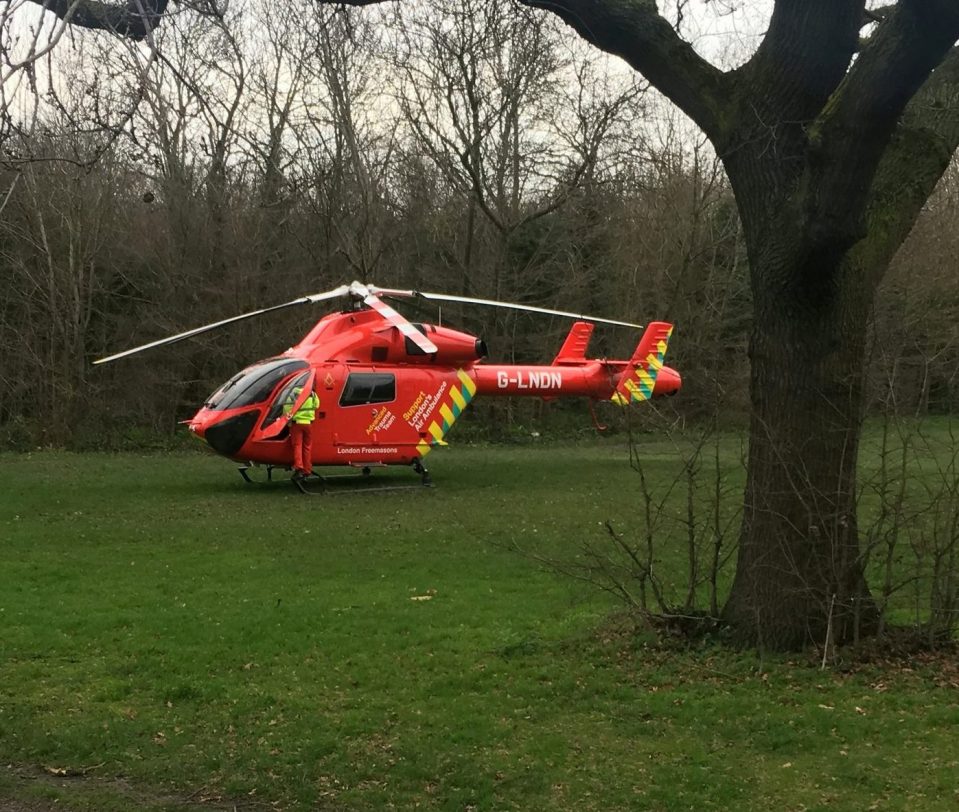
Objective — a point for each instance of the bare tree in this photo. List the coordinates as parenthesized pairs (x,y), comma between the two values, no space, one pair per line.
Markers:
(348,143)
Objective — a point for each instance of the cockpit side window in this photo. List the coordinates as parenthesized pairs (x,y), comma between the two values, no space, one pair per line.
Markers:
(254,384)
(363,388)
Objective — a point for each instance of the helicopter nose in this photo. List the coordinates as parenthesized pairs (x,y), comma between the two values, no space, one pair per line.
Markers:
(225,435)
(198,424)
(228,435)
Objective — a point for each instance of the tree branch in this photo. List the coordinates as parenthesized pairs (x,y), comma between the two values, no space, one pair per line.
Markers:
(637,32)
(876,15)
(898,59)
(134,19)
(803,57)
(919,152)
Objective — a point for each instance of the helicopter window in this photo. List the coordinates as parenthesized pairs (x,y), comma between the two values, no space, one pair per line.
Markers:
(253,385)
(368,387)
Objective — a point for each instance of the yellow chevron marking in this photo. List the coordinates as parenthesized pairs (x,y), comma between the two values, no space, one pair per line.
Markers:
(619,400)
(645,378)
(459,397)
(655,362)
(467,382)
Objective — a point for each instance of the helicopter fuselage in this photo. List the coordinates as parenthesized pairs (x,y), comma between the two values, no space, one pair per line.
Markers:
(383,400)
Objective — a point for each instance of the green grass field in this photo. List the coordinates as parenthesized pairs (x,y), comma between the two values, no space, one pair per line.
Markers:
(171,638)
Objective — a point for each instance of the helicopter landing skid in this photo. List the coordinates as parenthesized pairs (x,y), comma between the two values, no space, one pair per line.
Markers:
(335,484)
(244,471)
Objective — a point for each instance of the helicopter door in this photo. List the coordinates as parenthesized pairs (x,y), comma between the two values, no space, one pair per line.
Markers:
(287,395)
(365,408)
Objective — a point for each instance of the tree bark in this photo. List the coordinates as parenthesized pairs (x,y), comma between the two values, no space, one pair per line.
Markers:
(799,571)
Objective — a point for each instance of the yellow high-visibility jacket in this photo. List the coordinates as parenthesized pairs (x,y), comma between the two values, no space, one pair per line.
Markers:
(306,414)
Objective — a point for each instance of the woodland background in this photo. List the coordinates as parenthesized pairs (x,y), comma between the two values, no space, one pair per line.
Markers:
(255,153)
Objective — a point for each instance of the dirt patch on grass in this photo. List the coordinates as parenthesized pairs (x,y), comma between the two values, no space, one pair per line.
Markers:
(30,806)
(28,788)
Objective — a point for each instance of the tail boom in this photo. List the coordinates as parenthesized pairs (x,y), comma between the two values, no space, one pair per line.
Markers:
(586,379)
(572,375)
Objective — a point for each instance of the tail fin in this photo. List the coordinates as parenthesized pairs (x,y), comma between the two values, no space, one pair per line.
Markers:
(574,347)
(639,378)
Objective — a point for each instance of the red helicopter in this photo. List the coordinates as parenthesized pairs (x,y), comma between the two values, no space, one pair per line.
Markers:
(390,390)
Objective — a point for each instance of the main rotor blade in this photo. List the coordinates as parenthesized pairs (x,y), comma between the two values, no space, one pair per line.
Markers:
(316,297)
(444,297)
(400,323)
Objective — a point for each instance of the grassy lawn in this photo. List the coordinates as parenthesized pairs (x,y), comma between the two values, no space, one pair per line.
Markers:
(172,638)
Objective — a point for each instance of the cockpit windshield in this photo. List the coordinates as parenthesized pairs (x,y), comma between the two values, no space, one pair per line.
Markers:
(254,384)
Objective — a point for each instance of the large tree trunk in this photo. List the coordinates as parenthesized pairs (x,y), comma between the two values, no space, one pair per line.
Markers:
(799,577)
